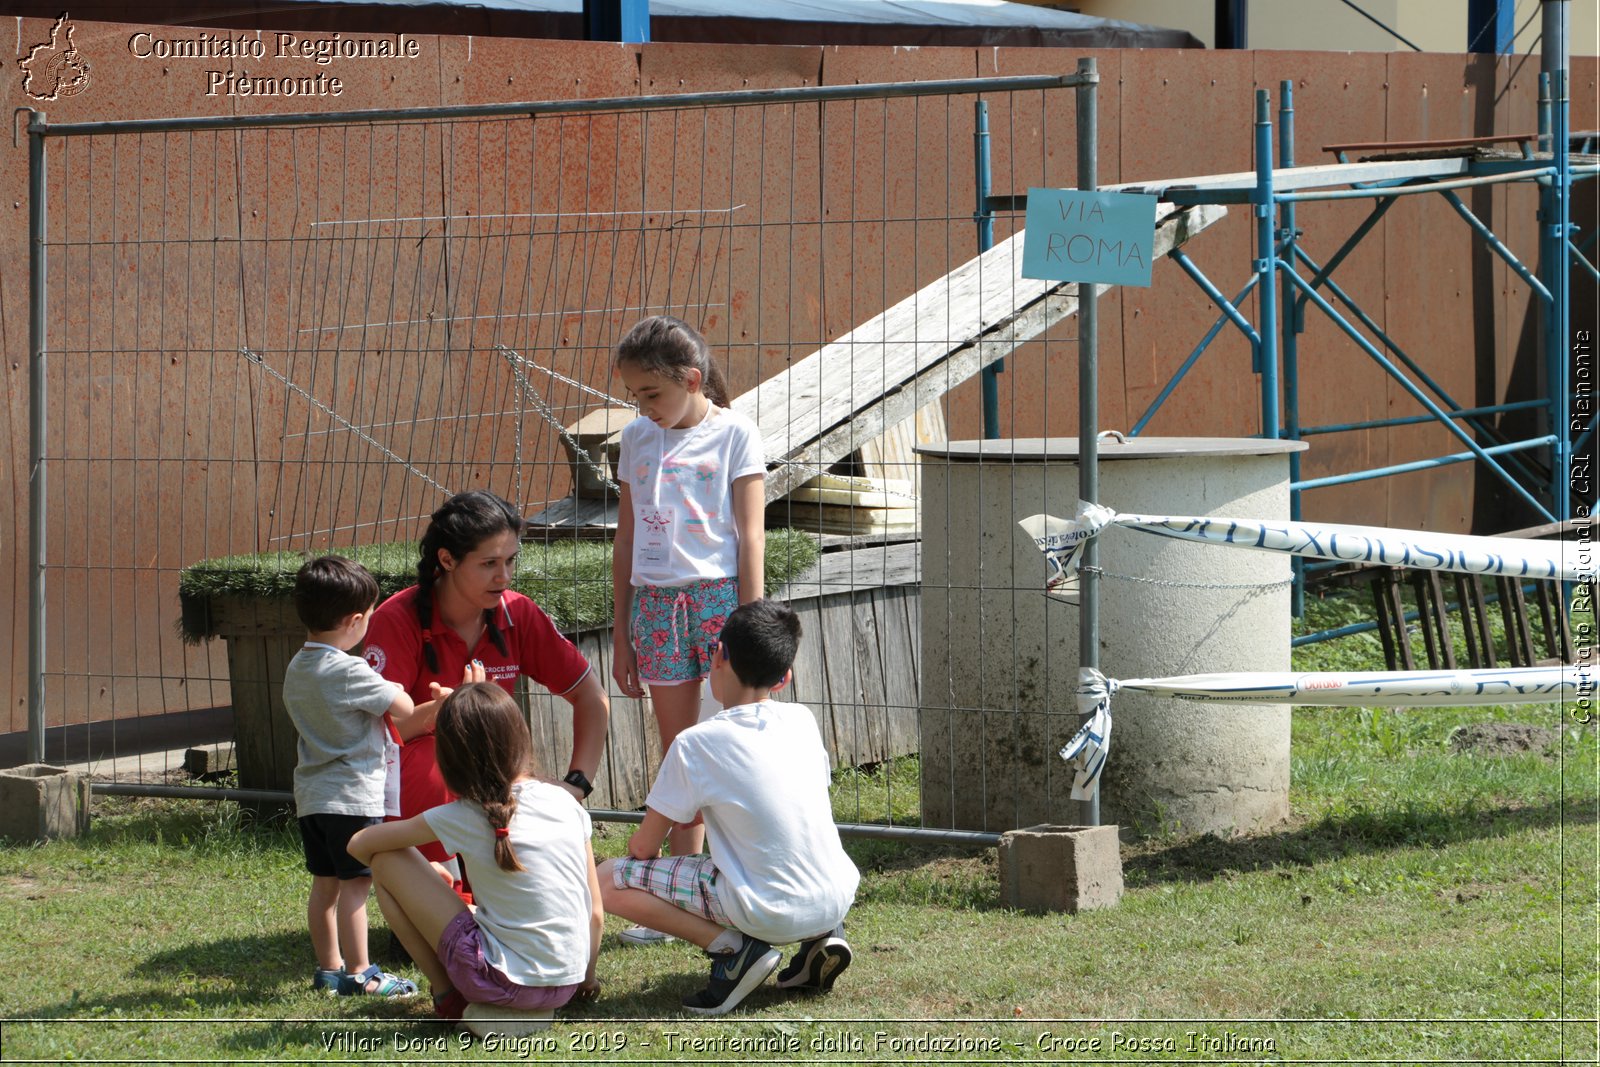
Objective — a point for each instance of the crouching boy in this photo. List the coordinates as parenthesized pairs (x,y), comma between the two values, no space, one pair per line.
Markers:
(758,775)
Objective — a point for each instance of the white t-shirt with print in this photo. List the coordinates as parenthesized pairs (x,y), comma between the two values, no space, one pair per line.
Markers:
(681,482)
(534,923)
(759,775)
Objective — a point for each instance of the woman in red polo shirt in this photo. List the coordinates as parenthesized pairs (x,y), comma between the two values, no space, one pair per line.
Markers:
(462,609)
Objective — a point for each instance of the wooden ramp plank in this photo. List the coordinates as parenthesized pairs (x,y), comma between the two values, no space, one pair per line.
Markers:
(1317,176)
(820,409)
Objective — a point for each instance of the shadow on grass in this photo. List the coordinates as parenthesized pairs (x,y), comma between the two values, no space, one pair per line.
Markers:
(255,987)
(1338,837)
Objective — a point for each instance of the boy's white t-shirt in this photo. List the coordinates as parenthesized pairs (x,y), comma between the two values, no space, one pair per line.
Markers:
(534,923)
(681,486)
(759,775)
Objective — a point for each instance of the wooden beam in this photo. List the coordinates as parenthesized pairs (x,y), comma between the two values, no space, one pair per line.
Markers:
(850,391)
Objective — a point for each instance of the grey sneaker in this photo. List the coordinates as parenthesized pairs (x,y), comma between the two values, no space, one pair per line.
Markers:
(816,963)
(733,976)
(643,935)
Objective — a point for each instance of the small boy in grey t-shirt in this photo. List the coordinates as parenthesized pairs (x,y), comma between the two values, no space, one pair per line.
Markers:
(343,711)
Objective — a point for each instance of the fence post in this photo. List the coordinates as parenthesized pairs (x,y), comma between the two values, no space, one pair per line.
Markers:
(36,413)
(1088,401)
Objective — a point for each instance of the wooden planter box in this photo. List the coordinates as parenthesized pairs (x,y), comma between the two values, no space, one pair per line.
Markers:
(857,671)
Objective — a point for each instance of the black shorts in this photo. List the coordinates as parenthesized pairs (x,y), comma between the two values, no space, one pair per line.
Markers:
(326,839)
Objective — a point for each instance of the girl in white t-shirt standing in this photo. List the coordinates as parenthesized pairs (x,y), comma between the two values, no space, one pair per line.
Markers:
(529,943)
(690,539)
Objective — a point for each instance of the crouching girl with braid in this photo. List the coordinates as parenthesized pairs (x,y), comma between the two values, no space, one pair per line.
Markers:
(463,612)
(529,944)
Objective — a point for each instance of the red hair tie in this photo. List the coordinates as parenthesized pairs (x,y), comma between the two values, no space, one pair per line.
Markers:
(501,831)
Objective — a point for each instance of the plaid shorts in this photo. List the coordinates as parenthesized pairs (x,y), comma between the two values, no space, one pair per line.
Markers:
(686,882)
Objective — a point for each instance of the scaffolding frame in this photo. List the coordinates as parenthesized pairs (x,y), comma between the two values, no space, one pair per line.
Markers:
(1288,279)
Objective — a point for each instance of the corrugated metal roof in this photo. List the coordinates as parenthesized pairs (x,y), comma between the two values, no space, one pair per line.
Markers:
(991,13)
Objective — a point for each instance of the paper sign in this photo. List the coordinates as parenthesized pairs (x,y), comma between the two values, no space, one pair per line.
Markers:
(1075,236)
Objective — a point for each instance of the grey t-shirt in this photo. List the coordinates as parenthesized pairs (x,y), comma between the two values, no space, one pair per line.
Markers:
(336,703)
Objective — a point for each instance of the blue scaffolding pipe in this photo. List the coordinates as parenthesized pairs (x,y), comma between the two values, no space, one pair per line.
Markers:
(1497,245)
(1293,327)
(1263,205)
(1410,364)
(1411,420)
(1229,308)
(1379,210)
(1199,350)
(1410,387)
(1413,188)
(1558,310)
(1420,464)
(1273,337)
(1578,255)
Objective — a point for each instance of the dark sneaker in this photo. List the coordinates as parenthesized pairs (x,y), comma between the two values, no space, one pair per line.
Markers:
(816,964)
(733,976)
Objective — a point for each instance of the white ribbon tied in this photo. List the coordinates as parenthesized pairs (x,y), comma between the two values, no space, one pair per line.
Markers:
(1087,750)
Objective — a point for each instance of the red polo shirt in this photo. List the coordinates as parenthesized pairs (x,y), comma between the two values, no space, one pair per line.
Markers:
(534,647)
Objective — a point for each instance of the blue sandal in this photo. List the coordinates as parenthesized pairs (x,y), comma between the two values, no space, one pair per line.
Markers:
(327,981)
(389,985)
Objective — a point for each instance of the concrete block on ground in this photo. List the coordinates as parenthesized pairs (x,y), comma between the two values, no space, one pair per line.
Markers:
(206,761)
(1060,868)
(39,802)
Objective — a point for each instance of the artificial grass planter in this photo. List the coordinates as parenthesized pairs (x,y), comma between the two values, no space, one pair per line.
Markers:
(248,602)
(570,580)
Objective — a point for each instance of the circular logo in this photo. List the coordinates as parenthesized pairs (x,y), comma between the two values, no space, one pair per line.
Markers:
(376,658)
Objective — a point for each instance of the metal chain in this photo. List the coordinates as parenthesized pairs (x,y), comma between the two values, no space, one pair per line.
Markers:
(1102,572)
(259,361)
(558,376)
(524,386)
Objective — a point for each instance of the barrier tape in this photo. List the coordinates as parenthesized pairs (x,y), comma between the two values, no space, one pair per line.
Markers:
(1087,750)
(1062,541)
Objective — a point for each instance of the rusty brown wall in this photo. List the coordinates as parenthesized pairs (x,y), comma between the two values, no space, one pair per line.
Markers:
(1462,314)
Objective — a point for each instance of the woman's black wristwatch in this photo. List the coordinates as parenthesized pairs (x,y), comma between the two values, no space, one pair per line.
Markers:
(579,781)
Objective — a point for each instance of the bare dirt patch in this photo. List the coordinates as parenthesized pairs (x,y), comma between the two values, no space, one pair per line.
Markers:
(1503,739)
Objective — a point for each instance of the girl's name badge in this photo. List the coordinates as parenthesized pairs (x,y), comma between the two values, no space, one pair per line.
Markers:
(652,551)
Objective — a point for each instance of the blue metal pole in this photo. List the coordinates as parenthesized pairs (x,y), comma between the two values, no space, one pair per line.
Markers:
(990,380)
(1293,324)
(1401,354)
(1491,26)
(1205,342)
(617,20)
(1229,308)
(1264,207)
(1423,464)
(1410,387)
(1498,246)
(1559,283)
(1543,141)
(1412,420)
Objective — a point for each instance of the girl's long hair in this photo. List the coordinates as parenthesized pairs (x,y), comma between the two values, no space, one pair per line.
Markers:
(671,347)
(482,746)
(463,523)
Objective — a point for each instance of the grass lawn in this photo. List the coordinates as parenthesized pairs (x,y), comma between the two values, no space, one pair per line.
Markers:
(1423,904)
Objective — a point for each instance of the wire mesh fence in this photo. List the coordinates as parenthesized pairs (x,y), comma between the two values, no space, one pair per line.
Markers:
(298,335)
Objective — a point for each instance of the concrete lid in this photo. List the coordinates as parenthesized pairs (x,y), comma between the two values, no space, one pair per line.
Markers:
(1019,449)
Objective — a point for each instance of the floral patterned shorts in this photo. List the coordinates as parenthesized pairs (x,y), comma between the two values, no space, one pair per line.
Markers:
(676,628)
